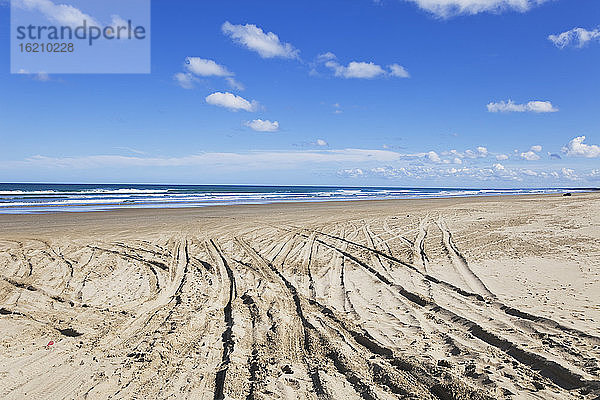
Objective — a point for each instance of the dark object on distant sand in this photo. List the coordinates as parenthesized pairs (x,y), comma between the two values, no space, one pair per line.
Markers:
(69,332)
(566,194)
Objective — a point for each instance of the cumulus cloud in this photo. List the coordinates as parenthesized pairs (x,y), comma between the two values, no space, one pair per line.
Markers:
(321,142)
(434,157)
(398,71)
(62,14)
(537,148)
(495,172)
(267,45)
(570,174)
(185,80)
(535,106)
(480,152)
(449,8)
(594,175)
(501,157)
(361,69)
(260,125)
(577,37)
(453,152)
(355,69)
(352,173)
(576,148)
(457,157)
(231,101)
(204,67)
(530,156)
(326,57)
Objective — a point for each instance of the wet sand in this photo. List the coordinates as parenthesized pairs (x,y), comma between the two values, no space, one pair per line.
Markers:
(471,298)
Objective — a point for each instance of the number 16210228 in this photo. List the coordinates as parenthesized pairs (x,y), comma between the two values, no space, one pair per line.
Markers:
(47,47)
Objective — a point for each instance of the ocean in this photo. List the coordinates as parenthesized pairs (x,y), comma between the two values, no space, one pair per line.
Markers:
(47,198)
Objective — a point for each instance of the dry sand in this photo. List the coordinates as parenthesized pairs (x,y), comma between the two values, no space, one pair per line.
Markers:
(429,299)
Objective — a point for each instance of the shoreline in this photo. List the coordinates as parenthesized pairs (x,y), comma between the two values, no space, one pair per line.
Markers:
(128,204)
(31,222)
(143,197)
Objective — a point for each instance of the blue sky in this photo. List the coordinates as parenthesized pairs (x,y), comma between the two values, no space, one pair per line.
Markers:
(477,93)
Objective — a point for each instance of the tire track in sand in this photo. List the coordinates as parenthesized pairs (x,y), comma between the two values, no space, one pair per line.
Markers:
(460,263)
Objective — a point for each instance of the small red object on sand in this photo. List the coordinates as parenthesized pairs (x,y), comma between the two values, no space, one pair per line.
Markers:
(50,343)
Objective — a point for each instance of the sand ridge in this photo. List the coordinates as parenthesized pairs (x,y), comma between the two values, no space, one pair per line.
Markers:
(432,299)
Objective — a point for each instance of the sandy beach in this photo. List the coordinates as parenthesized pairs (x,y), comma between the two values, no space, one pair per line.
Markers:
(464,298)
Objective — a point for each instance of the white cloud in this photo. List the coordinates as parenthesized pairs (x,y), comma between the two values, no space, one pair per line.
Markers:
(352,173)
(541,107)
(260,125)
(231,101)
(234,84)
(576,148)
(361,69)
(434,157)
(480,152)
(185,80)
(501,157)
(267,45)
(453,152)
(537,148)
(449,8)
(577,37)
(246,160)
(62,14)
(530,156)
(398,71)
(204,67)
(594,175)
(495,172)
(196,66)
(535,106)
(346,162)
(569,174)
(355,69)
(40,76)
(326,57)
(321,142)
